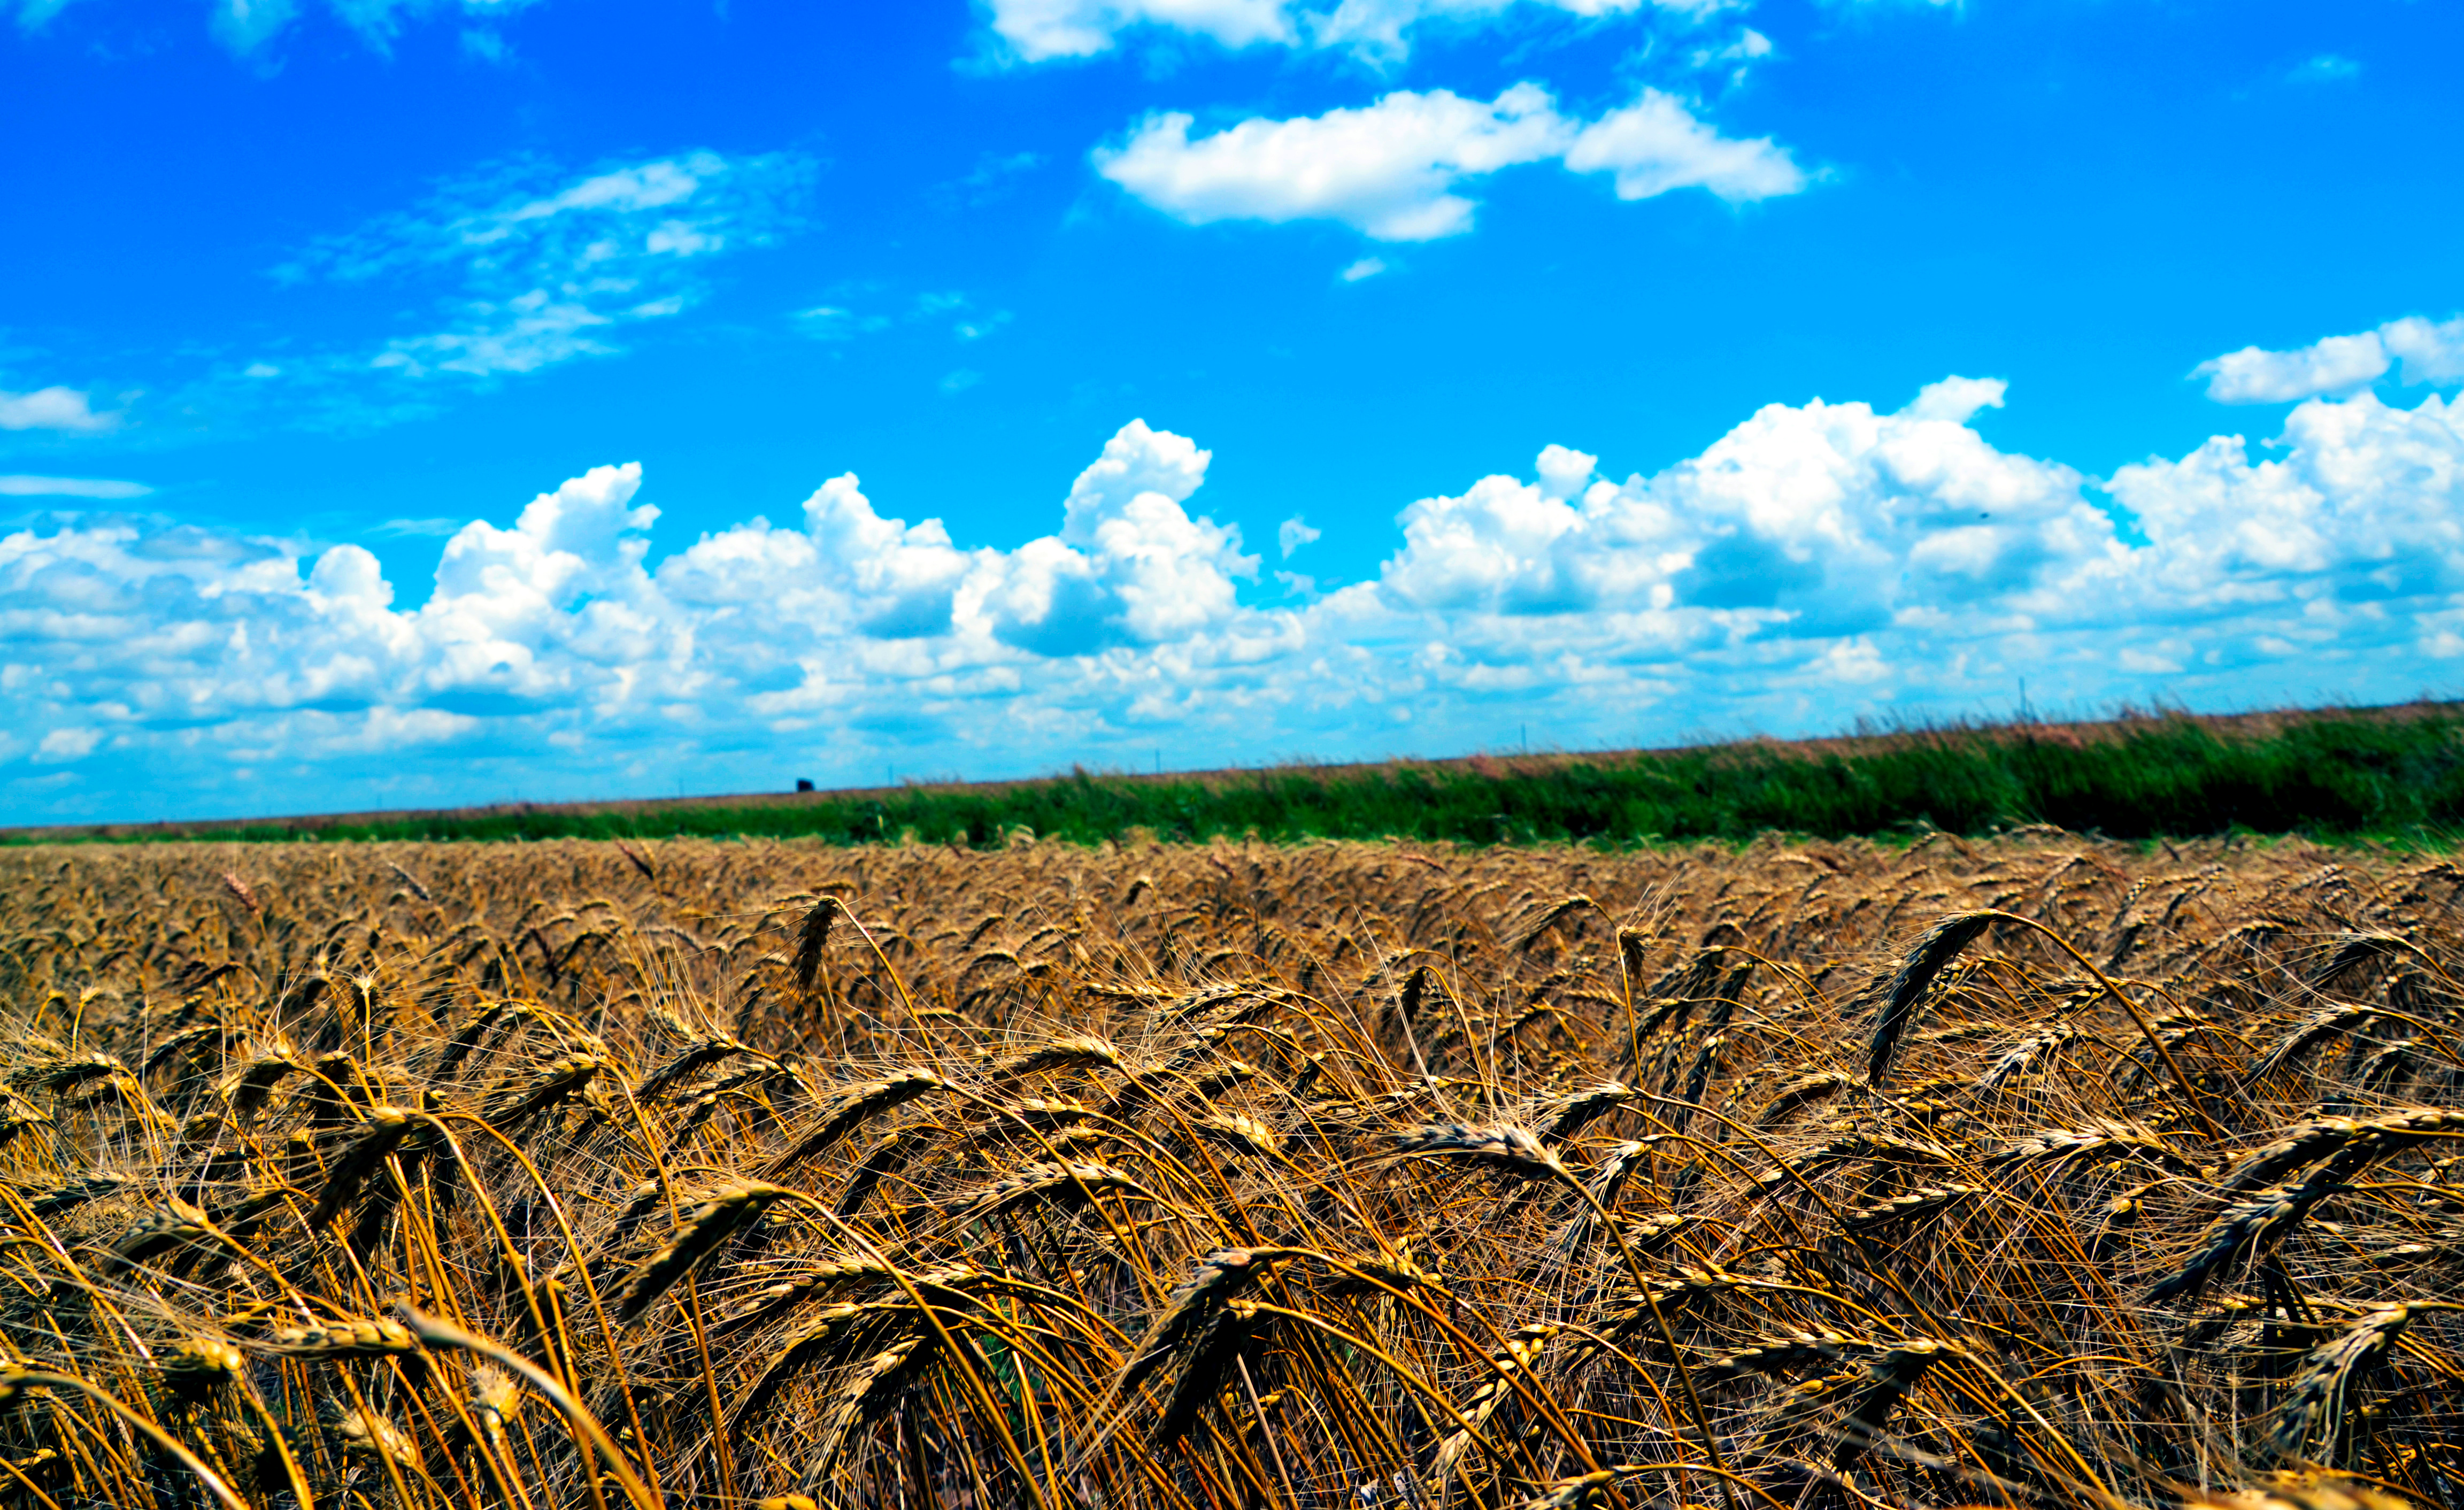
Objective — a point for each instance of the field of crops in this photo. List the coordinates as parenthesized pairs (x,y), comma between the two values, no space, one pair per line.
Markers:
(2036,1172)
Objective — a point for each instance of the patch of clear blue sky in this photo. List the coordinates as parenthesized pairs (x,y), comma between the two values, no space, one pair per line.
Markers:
(2086,197)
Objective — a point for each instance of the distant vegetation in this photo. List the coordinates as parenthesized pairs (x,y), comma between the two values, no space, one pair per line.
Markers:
(2388,774)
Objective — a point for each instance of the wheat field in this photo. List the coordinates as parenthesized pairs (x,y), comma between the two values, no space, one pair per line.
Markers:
(2036,1172)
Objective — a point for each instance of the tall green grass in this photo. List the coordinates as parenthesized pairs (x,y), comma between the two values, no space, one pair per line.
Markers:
(2328,775)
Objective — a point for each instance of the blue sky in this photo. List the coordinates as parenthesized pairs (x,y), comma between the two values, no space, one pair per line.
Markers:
(429,401)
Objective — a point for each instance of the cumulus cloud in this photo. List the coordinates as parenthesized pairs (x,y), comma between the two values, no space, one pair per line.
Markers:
(1820,560)
(1130,566)
(1394,169)
(2427,353)
(1822,539)
(52,408)
(532,266)
(1826,519)
(1041,30)
(2363,510)
(141,636)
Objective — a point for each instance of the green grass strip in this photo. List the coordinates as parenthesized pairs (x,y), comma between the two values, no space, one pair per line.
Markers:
(2329,776)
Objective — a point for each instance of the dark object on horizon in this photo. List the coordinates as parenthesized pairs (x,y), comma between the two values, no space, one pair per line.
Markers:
(803,783)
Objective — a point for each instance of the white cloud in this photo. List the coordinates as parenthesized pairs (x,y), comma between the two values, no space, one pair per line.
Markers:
(1293,533)
(995,176)
(1364,268)
(397,529)
(836,322)
(1389,168)
(2339,363)
(33,15)
(521,334)
(1136,463)
(534,267)
(1378,29)
(1393,170)
(905,580)
(2428,353)
(244,26)
(832,322)
(1564,473)
(139,634)
(1747,45)
(1818,561)
(21,485)
(1953,566)
(1656,144)
(2326,68)
(1130,565)
(1826,518)
(62,745)
(1040,31)
(52,408)
(1958,399)
(2363,508)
